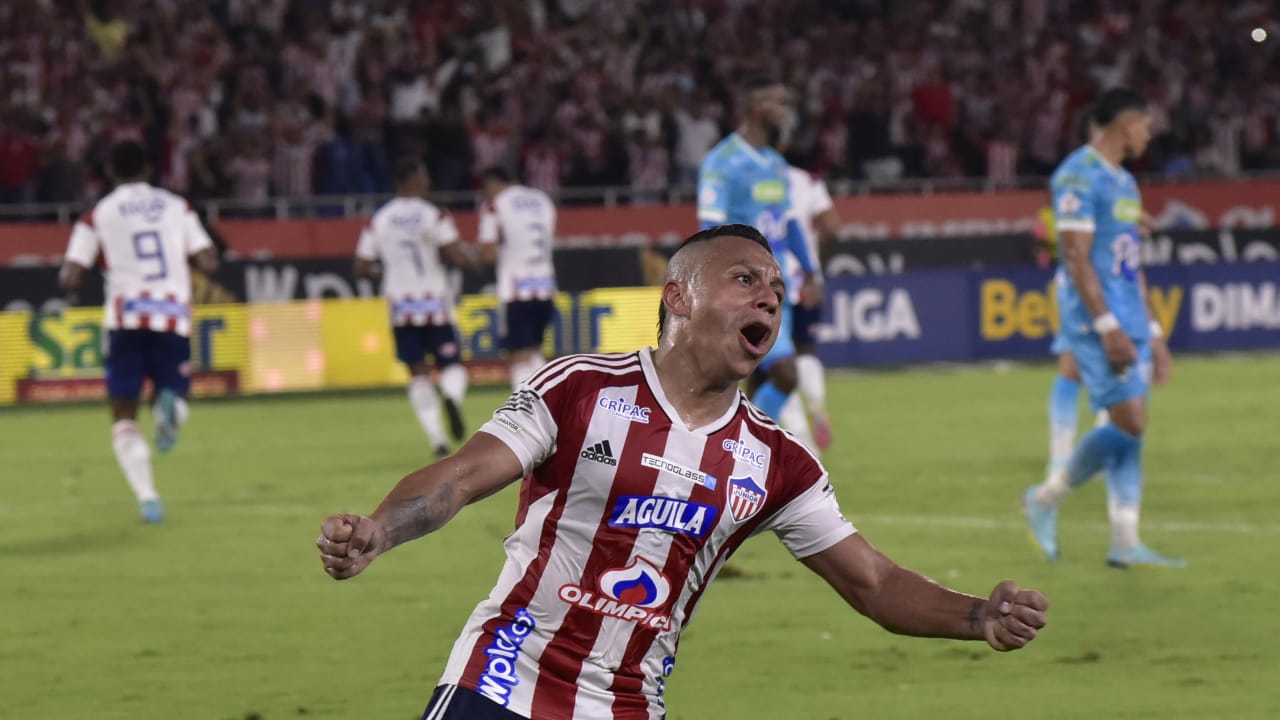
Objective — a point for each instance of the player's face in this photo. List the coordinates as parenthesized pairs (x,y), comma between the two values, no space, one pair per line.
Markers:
(771,106)
(1137,133)
(736,309)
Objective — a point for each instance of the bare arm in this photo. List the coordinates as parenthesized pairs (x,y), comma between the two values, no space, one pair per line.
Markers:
(421,503)
(489,253)
(460,256)
(827,225)
(1075,248)
(368,269)
(206,260)
(907,603)
(71,276)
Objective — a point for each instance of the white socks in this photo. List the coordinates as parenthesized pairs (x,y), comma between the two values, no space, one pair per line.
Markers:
(812,380)
(426,405)
(453,382)
(134,456)
(520,371)
(1124,525)
(1054,489)
(794,419)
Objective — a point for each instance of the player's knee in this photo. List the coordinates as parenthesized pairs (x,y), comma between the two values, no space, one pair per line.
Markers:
(1131,417)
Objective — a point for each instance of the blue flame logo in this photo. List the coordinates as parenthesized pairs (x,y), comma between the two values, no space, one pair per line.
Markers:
(640,584)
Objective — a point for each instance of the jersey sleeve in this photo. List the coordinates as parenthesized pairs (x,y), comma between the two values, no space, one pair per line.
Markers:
(367,246)
(819,198)
(812,522)
(194,237)
(85,244)
(443,231)
(1073,204)
(713,194)
(525,424)
(489,224)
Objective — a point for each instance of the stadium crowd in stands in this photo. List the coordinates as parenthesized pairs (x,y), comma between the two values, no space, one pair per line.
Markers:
(252,99)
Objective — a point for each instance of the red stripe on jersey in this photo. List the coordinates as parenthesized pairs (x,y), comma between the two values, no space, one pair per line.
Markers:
(119,311)
(553,476)
(172,325)
(561,661)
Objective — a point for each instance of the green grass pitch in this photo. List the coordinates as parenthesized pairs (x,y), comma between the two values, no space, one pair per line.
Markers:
(223,611)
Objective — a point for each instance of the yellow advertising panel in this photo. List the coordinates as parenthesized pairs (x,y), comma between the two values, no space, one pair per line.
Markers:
(358,348)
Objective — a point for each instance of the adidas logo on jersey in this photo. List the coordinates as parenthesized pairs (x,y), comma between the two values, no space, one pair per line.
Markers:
(601,453)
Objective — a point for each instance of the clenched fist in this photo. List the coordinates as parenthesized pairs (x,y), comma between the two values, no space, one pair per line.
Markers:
(348,543)
(1012,616)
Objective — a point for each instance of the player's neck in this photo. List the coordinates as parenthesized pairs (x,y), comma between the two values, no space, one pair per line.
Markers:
(697,395)
(1110,148)
(755,135)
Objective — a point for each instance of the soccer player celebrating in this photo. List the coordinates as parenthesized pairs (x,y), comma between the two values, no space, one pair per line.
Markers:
(1105,326)
(744,180)
(818,221)
(517,229)
(642,474)
(145,236)
(404,244)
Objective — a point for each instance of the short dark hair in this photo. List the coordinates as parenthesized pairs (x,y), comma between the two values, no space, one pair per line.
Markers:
(1115,102)
(757,81)
(734,230)
(495,172)
(128,160)
(406,167)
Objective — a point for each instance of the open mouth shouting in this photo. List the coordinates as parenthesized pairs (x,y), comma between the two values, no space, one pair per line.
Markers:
(755,338)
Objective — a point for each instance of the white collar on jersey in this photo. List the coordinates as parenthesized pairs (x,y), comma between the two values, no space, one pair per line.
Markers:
(651,378)
(751,150)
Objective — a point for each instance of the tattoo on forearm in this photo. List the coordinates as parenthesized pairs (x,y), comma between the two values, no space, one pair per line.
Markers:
(975,616)
(415,517)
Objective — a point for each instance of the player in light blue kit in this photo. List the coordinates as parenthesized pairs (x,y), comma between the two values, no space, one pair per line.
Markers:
(1105,326)
(744,180)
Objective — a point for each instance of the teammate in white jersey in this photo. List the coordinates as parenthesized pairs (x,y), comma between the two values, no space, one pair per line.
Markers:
(145,236)
(819,223)
(406,243)
(643,472)
(517,230)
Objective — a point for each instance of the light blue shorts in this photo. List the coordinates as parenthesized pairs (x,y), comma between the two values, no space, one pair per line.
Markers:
(1105,387)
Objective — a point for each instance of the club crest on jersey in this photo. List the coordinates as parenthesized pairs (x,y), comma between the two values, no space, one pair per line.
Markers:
(741,452)
(631,593)
(746,498)
(625,409)
(663,513)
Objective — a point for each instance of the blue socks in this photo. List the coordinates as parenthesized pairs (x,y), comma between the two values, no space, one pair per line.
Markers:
(1063,408)
(1107,447)
(770,399)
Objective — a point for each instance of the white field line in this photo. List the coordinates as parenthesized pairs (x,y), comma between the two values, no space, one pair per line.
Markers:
(982,523)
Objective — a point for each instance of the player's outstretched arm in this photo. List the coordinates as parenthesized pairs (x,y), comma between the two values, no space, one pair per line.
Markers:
(422,502)
(907,603)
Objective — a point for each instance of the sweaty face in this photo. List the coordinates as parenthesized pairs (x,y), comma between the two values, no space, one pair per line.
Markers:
(1137,132)
(735,303)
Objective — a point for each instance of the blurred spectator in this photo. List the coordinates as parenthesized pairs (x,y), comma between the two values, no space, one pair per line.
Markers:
(329,90)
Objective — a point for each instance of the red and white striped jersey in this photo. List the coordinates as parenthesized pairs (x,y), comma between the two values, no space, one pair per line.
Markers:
(625,517)
(406,234)
(809,199)
(523,221)
(144,234)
